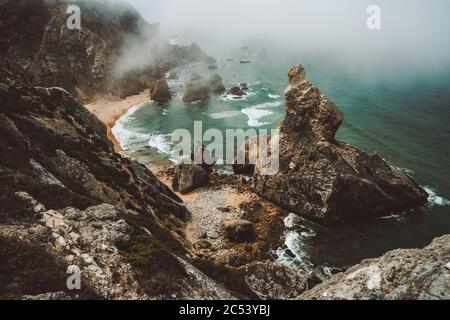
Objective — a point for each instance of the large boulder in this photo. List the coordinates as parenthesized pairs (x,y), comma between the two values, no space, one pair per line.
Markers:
(324,179)
(160,91)
(199,89)
(422,274)
(196,91)
(238,230)
(189,177)
(237,91)
(215,84)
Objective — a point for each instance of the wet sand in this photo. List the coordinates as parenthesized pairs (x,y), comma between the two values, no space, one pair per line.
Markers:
(109,109)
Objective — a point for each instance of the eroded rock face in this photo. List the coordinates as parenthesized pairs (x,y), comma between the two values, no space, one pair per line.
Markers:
(422,274)
(324,179)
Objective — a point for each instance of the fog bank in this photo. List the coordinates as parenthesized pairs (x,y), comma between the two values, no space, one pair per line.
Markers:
(414,33)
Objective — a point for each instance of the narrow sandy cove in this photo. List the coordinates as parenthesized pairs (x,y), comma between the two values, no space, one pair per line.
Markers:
(109,109)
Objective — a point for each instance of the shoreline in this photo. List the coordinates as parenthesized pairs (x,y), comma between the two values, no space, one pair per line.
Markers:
(110,109)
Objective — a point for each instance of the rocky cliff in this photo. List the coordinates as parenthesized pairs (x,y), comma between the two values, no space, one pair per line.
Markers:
(324,179)
(66,199)
(36,43)
(422,274)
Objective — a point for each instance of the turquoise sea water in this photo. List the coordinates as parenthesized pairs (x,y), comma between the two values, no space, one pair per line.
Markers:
(404,118)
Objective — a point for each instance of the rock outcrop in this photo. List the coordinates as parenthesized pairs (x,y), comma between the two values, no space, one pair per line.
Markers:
(422,274)
(327,180)
(196,91)
(237,91)
(215,84)
(195,174)
(200,89)
(160,91)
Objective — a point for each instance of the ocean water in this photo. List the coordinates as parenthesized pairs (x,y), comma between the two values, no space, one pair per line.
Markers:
(404,117)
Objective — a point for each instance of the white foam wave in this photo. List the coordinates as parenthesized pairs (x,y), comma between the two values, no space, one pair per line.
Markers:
(230,97)
(434,199)
(273,96)
(255,115)
(160,142)
(294,241)
(224,114)
(291,220)
(394,216)
(126,136)
(268,105)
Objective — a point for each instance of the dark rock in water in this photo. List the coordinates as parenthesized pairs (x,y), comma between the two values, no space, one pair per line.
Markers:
(215,84)
(189,177)
(230,60)
(200,90)
(245,62)
(238,230)
(324,179)
(212,67)
(196,91)
(237,91)
(160,91)
(244,86)
(404,274)
(290,253)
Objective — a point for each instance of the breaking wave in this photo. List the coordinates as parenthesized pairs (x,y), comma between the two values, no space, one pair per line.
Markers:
(434,199)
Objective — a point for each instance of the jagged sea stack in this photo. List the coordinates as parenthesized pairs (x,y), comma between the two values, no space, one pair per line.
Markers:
(324,179)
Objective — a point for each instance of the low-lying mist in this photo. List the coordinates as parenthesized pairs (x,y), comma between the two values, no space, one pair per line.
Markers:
(413,38)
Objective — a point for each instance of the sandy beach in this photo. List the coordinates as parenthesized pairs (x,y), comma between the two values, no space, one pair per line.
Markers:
(109,109)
